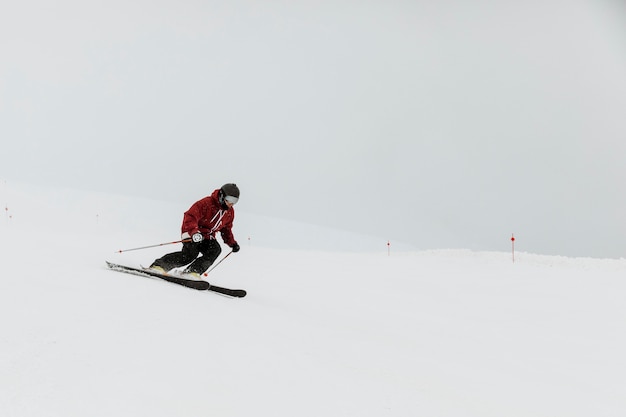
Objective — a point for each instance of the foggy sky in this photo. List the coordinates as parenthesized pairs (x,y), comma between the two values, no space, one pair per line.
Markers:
(438,124)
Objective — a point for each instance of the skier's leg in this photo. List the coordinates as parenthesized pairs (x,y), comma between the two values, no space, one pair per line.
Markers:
(176,259)
(210,249)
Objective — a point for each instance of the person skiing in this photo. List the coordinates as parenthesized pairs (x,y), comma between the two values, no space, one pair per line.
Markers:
(201,222)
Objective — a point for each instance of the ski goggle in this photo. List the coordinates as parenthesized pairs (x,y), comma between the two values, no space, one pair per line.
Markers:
(232,200)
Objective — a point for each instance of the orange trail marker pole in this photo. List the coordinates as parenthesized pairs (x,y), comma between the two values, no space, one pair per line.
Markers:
(513,247)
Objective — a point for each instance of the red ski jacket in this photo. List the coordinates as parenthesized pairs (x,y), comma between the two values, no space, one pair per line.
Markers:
(208,217)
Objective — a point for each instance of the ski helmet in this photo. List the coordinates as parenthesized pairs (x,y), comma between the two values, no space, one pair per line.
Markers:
(229,192)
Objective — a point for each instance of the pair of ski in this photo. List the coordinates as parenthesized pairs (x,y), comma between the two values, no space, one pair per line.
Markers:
(200,285)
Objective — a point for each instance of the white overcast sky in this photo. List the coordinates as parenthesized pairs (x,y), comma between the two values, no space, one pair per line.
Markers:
(439,124)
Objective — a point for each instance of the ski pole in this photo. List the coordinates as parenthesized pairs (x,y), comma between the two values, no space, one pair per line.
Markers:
(214,266)
(153,246)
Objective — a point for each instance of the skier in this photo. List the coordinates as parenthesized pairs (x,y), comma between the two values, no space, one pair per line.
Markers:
(201,222)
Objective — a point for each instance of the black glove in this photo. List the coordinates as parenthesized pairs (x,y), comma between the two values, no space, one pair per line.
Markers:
(236,247)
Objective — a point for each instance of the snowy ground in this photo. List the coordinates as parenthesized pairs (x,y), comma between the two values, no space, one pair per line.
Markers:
(321,332)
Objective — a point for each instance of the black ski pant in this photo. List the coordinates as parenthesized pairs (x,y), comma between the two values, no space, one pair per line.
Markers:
(209,248)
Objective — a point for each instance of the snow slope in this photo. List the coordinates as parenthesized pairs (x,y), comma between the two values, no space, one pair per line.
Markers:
(322,332)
